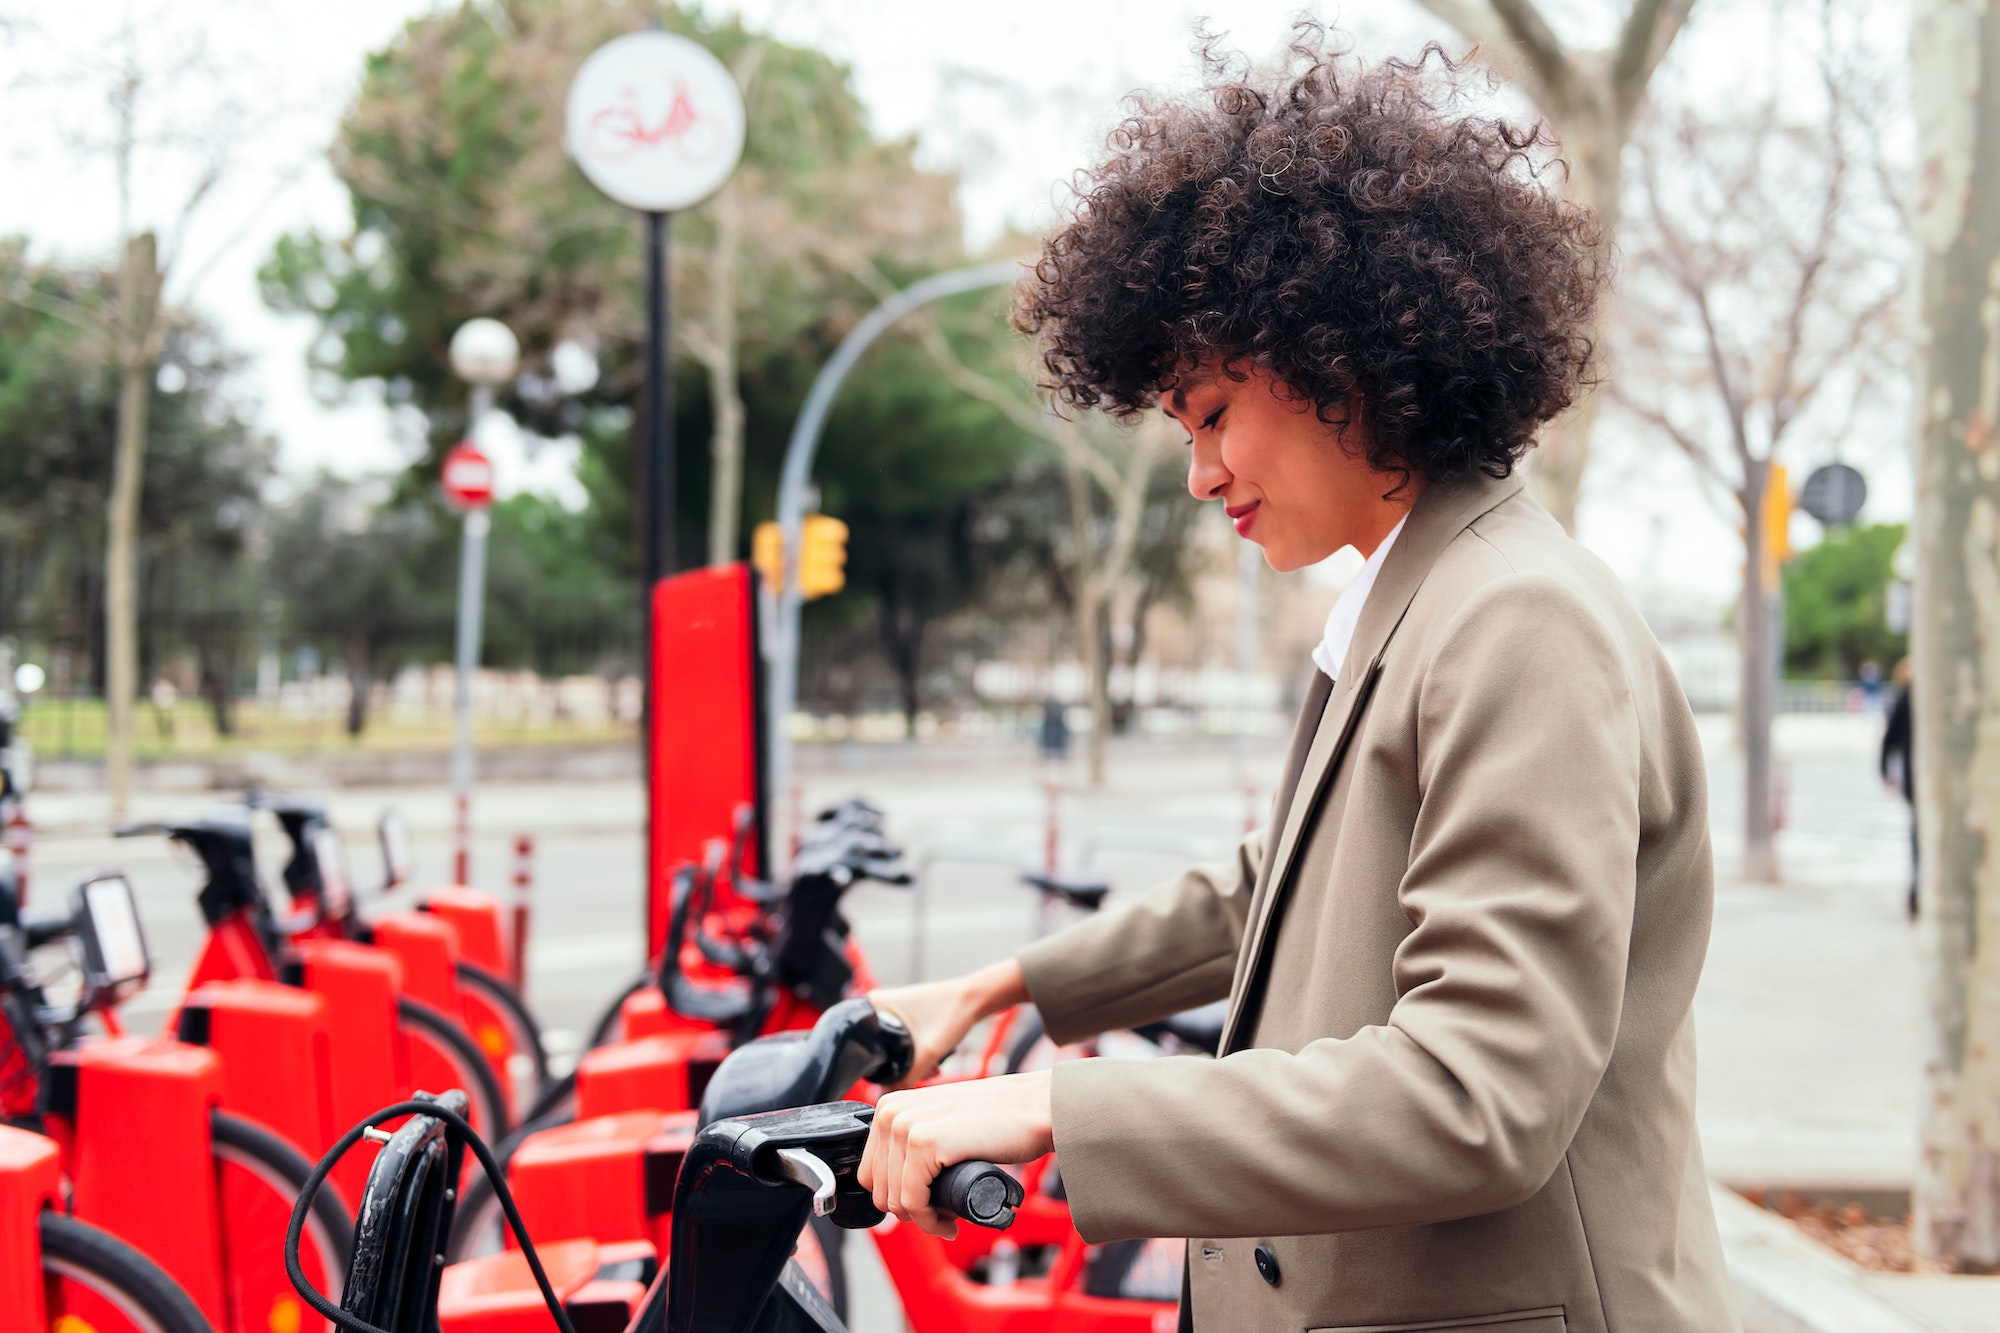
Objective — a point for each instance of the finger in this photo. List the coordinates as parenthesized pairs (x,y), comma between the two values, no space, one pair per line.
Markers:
(919,1167)
(942,1225)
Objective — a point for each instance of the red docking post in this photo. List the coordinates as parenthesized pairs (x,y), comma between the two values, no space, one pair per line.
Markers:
(20,835)
(524,884)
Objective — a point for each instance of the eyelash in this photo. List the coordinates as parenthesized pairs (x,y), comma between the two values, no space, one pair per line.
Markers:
(1208,423)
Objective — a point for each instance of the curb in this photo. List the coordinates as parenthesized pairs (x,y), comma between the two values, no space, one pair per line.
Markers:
(1786,1283)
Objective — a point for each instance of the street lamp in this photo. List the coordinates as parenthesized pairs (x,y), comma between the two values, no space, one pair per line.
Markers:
(484,353)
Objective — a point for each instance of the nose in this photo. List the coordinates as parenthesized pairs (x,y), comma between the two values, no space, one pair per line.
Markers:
(1208,478)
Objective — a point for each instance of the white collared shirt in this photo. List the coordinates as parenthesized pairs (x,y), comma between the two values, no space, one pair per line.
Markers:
(1346,613)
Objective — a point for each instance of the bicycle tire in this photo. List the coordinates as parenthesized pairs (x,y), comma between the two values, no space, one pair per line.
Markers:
(105,1270)
(608,1027)
(257,1207)
(478,1226)
(524,1033)
(557,1096)
(468,1070)
(1028,1033)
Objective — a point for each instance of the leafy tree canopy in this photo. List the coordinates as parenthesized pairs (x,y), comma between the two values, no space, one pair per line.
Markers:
(1836,598)
(465,203)
(198,508)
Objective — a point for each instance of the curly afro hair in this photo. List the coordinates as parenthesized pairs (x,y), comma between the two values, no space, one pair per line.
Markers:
(1343,229)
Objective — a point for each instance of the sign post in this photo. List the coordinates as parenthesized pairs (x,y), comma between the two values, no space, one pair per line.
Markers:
(656,122)
(485,353)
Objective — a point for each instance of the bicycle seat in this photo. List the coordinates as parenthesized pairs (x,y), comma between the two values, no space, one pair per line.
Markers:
(1085,893)
(1200,1028)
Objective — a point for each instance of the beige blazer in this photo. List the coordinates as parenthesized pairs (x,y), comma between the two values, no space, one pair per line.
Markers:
(1457,1087)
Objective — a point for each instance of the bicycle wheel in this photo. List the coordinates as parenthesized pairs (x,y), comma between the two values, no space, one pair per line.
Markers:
(501,1027)
(443,1057)
(478,1227)
(1028,1045)
(259,1178)
(610,1025)
(93,1280)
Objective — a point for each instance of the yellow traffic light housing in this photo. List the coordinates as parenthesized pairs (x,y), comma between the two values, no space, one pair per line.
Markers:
(822,556)
(1776,524)
(767,553)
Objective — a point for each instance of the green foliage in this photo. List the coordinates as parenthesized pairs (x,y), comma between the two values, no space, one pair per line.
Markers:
(1835,602)
(464,203)
(198,508)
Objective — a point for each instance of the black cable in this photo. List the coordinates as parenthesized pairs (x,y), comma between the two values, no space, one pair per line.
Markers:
(296,1230)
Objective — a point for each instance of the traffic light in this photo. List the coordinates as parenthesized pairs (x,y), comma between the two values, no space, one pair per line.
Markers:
(1777,524)
(767,553)
(822,556)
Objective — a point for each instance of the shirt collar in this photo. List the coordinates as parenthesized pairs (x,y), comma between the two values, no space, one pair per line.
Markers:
(1346,613)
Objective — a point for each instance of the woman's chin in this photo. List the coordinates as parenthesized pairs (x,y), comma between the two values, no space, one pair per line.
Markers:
(1282,560)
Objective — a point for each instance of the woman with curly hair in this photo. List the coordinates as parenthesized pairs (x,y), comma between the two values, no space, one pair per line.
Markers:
(1456,1084)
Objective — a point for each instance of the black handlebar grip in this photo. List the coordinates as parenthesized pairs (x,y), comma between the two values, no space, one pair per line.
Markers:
(979,1192)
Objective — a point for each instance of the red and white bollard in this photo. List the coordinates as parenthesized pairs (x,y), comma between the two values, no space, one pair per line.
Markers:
(1250,813)
(461,857)
(524,884)
(1052,828)
(20,836)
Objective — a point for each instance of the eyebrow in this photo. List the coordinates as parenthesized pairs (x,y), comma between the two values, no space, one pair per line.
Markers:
(1182,383)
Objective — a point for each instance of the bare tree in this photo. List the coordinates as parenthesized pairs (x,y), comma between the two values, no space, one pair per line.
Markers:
(1116,461)
(1593,99)
(1762,273)
(712,335)
(1955,78)
(140,81)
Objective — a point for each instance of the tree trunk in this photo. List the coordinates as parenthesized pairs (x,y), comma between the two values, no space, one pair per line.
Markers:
(138,288)
(725,389)
(359,679)
(218,683)
(1758,702)
(1089,600)
(1956,628)
(903,645)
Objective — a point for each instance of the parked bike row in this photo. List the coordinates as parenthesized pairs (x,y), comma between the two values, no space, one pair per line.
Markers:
(694,1171)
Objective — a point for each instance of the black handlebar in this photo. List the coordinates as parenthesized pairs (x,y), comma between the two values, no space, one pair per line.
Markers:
(977,1192)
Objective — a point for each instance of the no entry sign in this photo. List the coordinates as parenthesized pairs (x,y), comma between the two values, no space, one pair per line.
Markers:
(655,121)
(467,478)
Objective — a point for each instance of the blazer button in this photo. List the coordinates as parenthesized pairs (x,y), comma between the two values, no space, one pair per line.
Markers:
(1267,1265)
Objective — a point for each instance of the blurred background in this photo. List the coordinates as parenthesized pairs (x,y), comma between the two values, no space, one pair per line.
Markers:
(254,229)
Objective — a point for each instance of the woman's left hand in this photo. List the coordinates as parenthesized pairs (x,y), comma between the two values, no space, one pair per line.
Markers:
(920,1132)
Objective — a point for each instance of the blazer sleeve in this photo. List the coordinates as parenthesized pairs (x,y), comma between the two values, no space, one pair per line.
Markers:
(1519,891)
(1173,949)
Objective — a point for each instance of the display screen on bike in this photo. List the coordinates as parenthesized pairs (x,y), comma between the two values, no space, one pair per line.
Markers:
(115,958)
(336,891)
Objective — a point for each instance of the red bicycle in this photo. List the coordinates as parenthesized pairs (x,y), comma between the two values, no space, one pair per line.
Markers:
(143,1146)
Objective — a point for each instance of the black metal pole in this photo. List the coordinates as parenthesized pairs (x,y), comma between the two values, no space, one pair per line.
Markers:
(656,470)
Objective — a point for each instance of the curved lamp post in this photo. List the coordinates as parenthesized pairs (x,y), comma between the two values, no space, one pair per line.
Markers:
(780,608)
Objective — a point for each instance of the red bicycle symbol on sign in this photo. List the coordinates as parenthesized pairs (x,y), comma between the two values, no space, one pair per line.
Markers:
(620,133)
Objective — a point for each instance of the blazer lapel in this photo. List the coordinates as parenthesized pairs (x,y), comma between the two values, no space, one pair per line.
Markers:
(1439,515)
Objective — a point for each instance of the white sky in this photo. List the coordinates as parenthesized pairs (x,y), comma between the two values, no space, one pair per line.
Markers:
(1014,93)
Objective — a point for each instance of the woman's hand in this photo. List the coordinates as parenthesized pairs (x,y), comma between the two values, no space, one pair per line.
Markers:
(938,1014)
(920,1132)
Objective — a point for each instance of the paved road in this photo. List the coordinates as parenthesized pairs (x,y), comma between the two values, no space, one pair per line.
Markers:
(1808,1014)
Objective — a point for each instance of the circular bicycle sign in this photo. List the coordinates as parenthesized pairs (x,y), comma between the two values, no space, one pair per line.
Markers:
(655,121)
